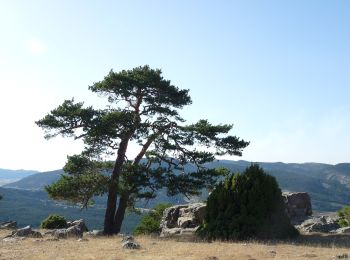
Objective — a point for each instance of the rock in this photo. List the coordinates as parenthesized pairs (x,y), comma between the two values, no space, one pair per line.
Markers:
(128,238)
(73,231)
(13,239)
(298,205)
(80,223)
(95,233)
(36,234)
(9,225)
(182,219)
(26,232)
(323,224)
(343,230)
(131,245)
(22,232)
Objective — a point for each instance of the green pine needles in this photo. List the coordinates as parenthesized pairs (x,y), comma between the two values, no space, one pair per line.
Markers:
(142,108)
(247,206)
(150,223)
(344,216)
(54,221)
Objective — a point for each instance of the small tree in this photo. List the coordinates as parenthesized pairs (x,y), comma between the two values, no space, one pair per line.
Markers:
(247,205)
(54,221)
(344,216)
(150,223)
(142,108)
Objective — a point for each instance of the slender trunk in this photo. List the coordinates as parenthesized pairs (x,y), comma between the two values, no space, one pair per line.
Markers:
(109,221)
(123,201)
(110,211)
(119,216)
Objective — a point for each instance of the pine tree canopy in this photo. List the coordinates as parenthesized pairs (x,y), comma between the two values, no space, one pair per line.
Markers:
(142,107)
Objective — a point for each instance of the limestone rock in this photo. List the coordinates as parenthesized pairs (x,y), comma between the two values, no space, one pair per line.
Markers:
(182,219)
(26,232)
(298,205)
(323,224)
(128,238)
(22,232)
(80,223)
(343,230)
(95,233)
(73,231)
(131,245)
(9,225)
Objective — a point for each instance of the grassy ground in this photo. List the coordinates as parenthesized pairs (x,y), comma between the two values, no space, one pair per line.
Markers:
(306,247)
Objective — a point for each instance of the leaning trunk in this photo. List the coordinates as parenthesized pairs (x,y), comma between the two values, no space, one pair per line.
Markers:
(119,216)
(109,222)
(110,212)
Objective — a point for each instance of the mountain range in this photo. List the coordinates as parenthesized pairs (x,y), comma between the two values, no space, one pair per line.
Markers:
(26,201)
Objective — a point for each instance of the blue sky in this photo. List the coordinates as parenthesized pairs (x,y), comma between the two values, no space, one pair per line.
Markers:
(277,70)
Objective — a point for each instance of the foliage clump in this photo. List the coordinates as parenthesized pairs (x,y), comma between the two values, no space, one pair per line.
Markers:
(344,216)
(150,223)
(54,221)
(247,206)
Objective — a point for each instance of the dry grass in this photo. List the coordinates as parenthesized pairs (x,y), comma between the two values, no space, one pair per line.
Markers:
(307,247)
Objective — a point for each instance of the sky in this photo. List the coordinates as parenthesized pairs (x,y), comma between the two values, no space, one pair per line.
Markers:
(277,70)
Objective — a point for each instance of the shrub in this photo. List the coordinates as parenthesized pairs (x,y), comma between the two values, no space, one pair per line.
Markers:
(54,221)
(246,206)
(344,216)
(150,223)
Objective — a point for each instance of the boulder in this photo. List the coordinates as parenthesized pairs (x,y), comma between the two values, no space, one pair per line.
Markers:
(128,238)
(128,242)
(26,232)
(343,230)
(9,225)
(182,219)
(131,245)
(298,205)
(73,231)
(95,233)
(323,224)
(80,223)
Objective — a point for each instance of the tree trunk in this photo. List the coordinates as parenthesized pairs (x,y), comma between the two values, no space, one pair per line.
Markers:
(119,216)
(109,224)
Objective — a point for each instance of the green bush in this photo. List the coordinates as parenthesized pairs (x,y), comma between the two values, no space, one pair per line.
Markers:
(247,206)
(150,223)
(344,216)
(54,221)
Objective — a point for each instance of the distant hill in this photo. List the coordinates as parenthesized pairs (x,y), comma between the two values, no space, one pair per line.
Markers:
(36,181)
(29,207)
(328,186)
(8,176)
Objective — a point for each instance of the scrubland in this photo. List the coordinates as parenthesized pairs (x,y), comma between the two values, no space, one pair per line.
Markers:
(315,246)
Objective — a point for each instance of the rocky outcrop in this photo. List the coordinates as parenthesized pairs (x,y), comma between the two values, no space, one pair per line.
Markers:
(25,232)
(298,205)
(73,231)
(9,225)
(80,223)
(128,242)
(95,233)
(322,224)
(182,219)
